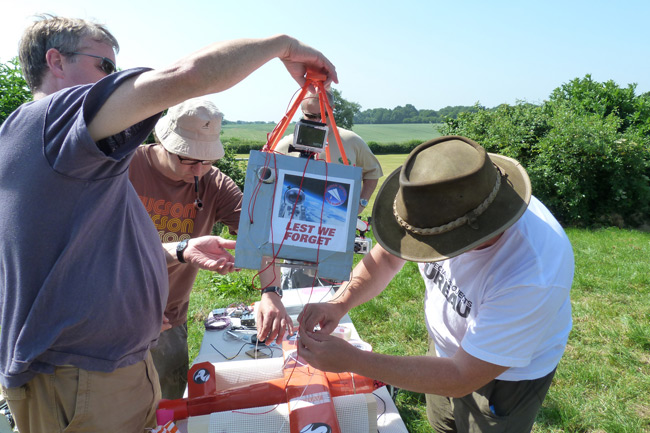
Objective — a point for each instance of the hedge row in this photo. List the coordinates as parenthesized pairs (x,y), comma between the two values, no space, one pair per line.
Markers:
(242,146)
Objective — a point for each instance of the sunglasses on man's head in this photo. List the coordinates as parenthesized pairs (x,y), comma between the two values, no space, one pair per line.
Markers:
(107,65)
(188,161)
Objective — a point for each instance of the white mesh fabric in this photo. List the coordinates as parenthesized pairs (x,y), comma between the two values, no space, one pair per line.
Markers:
(356,414)
(268,419)
(235,374)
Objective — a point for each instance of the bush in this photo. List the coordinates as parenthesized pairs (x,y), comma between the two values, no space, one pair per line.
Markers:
(386,148)
(233,168)
(242,145)
(590,174)
(586,150)
(513,131)
(13,88)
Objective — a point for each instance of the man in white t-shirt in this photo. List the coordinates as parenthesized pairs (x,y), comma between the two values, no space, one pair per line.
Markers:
(498,269)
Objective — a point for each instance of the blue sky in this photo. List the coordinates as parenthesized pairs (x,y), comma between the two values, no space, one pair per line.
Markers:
(427,53)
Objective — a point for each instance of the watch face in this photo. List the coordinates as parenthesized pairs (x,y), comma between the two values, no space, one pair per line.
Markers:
(180,248)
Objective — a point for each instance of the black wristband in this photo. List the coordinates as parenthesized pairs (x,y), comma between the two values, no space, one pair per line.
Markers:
(275,289)
(180,249)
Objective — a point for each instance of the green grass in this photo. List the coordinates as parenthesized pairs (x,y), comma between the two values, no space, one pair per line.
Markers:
(398,133)
(389,163)
(603,381)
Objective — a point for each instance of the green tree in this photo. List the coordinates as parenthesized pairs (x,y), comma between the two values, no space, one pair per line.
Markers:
(13,88)
(588,96)
(344,110)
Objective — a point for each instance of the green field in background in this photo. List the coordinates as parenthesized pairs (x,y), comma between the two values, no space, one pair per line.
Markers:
(397,133)
(248,131)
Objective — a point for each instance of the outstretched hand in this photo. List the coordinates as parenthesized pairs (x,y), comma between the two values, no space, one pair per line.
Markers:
(209,252)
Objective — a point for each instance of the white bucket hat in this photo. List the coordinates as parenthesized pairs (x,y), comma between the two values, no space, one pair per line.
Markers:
(192,129)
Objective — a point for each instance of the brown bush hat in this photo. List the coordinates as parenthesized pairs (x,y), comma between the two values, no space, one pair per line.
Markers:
(450,196)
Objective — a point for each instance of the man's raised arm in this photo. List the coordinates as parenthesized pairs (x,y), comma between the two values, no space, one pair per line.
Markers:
(212,69)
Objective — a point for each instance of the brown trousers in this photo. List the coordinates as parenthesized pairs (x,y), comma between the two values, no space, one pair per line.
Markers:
(498,407)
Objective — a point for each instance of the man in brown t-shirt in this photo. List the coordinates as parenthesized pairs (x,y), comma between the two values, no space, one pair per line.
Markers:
(185,195)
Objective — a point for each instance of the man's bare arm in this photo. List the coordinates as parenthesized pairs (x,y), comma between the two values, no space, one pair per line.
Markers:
(212,69)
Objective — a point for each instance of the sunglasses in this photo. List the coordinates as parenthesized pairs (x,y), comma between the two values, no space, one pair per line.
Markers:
(107,65)
(314,116)
(188,161)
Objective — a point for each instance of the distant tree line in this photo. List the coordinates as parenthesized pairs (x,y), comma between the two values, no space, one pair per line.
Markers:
(410,114)
(348,113)
(344,112)
(247,122)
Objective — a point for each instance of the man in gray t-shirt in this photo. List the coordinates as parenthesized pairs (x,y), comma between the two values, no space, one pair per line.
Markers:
(83,280)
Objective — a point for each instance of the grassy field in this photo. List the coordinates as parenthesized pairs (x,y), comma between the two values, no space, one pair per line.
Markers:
(603,381)
(398,133)
(377,133)
(389,163)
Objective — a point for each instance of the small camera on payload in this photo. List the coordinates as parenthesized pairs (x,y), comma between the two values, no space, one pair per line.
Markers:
(362,245)
(310,136)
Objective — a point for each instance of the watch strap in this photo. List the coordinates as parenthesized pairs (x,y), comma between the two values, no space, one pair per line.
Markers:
(275,289)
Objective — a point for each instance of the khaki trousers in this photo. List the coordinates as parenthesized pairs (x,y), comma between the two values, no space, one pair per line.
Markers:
(75,400)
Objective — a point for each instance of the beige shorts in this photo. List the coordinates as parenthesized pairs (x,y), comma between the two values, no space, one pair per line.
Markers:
(75,400)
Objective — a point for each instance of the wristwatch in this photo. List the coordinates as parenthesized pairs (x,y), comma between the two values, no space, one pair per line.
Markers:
(363,202)
(275,289)
(180,249)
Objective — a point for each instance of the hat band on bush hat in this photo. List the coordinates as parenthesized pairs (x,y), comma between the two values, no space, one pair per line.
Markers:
(469,218)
